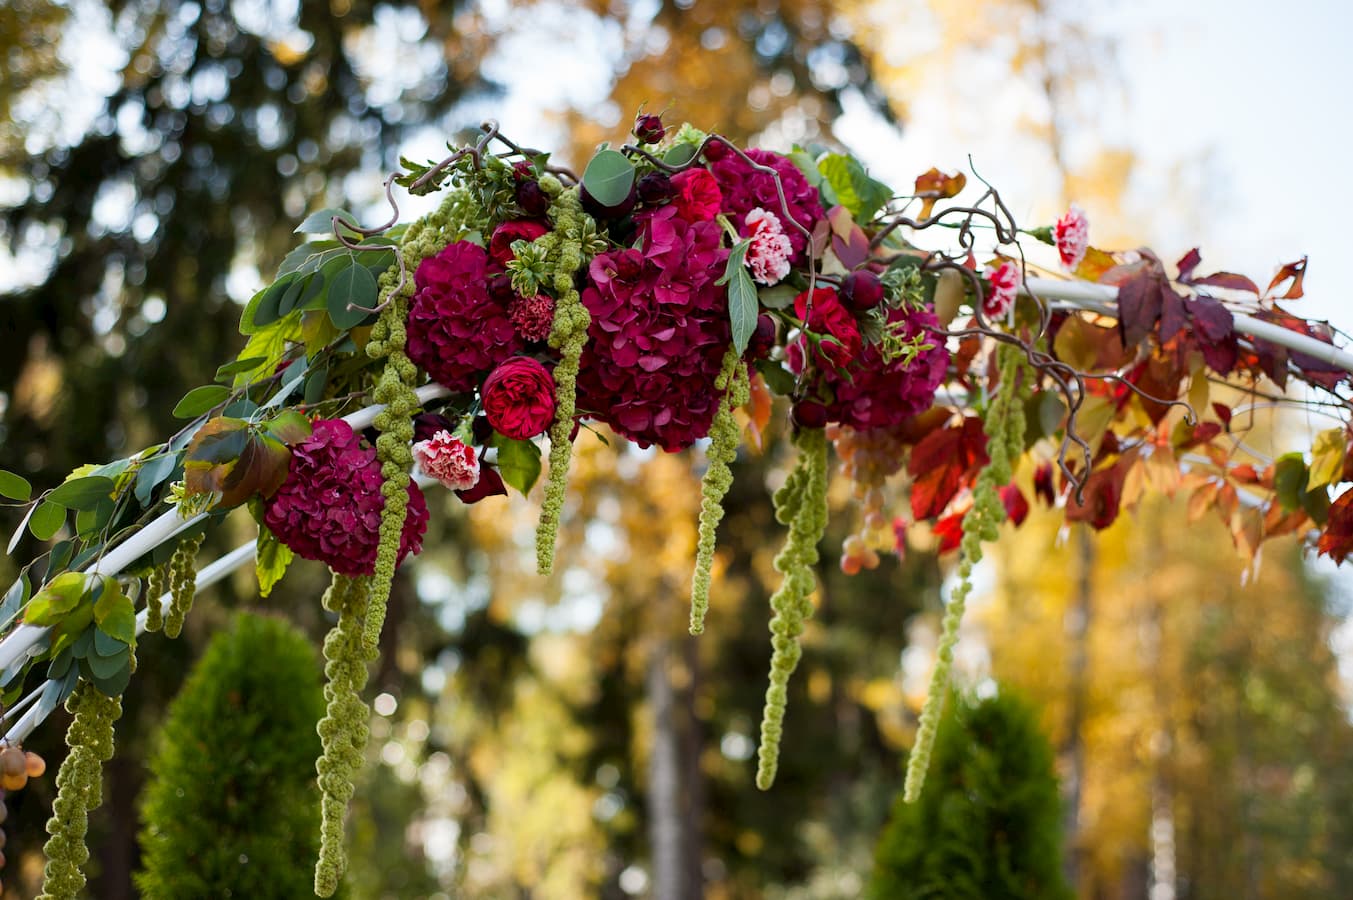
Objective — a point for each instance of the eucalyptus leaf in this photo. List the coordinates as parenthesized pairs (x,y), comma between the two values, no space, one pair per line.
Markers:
(15,487)
(352,287)
(609,177)
(679,154)
(291,296)
(82,493)
(240,365)
(106,667)
(13,601)
(200,400)
(114,685)
(321,221)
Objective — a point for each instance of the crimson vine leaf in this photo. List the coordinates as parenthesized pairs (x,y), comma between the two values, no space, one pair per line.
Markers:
(942,462)
(1140,303)
(1296,271)
(1336,541)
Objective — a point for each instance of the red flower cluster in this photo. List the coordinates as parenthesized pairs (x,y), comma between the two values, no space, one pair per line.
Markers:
(866,393)
(519,398)
(829,319)
(659,331)
(458,329)
(745,189)
(329,508)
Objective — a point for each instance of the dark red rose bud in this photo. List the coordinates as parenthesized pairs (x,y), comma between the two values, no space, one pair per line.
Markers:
(500,289)
(648,128)
(597,211)
(532,200)
(426,425)
(809,414)
(655,187)
(716,150)
(763,338)
(861,291)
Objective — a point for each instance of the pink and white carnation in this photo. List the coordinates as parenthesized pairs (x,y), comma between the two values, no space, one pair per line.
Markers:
(1072,235)
(449,460)
(768,255)
(1004,280)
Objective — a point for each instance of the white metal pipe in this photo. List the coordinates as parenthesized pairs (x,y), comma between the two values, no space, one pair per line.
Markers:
(1103,298)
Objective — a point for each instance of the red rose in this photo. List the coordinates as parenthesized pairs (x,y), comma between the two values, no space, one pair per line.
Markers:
(828,318)
(500,245)
(519,398)
(698,197)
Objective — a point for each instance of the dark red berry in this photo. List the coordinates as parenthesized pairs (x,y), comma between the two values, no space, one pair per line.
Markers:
(809,414)
(597,211)
(655,187)
(648,128)
(861,291)
(532,200)
(763,338)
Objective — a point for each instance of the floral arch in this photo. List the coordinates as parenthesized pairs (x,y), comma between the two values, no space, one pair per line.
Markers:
(671,293)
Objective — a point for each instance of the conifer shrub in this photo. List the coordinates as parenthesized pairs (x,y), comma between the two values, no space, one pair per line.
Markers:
(988,823)
(231,809)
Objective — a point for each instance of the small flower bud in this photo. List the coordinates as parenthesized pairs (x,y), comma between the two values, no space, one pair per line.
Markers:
(655,187)
(861,291)
(809,414)
(532,200)
(763,338)
(648,128)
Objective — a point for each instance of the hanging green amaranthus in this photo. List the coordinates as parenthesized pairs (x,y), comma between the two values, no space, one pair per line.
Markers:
(79,789)
(182,585)
(566,249)
(1005,441)
(724,436)
(155,587)
(801,503)
(344,729)
(394,388)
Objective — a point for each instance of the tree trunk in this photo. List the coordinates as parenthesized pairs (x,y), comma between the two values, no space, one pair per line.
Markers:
(1077,626)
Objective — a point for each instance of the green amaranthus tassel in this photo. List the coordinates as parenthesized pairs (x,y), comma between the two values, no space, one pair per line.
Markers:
(1005,441)
(394,388)
(344,729)
(723,449)
(802,505)
(155,585)
(566,252)
(182,584)
(79,789)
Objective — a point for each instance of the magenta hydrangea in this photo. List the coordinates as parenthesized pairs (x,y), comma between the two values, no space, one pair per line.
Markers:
(745,189)
(870,394)
(329,508)
(458,329)
(658,334)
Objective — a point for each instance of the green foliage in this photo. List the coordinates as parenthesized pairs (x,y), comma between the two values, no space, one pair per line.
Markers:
(232,808)
(988,825)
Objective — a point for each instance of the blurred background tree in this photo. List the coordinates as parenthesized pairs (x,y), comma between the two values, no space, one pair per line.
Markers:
(566,738)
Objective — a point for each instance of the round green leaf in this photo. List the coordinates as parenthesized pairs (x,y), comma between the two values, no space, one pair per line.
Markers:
(200,399)
(83,493)
(609,177)
(15,487)
(351,288)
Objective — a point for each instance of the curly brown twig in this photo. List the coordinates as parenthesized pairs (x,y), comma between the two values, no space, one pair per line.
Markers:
(476,154)
(371,232)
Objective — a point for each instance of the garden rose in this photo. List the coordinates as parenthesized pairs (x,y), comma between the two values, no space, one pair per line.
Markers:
(500,245)
(448,460)
(519,398)
(697,195)
(828,318)
(1072,234)
(329,508)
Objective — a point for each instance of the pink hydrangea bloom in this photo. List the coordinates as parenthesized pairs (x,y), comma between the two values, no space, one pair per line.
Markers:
(448,460)
(658,334)
(1072,234)
(1004,280)
(459,330)
(768,255)
(329,508)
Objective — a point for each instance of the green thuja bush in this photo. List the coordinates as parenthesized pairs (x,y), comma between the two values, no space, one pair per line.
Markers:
(232,809)
(987,824)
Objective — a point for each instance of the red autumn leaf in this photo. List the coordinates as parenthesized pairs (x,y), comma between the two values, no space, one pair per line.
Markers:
(1139,307)
(942,463)
(1103,492)
(1159,376)
(950,532)
(936,185)
(1043,488)
(1174,316)
(1214,329)
(1229,280)
(1187,263)
(758,409)
(1016,507)
(1193,435)
(1296,271)
(1224,413)
(1245,474)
